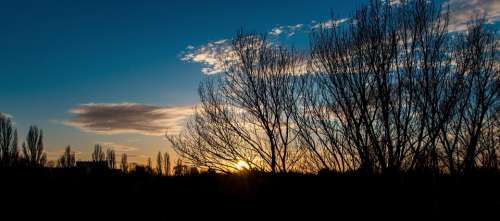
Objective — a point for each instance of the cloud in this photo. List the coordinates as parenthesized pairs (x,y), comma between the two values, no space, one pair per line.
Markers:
(393,2)
(462,11)
(213,55)
(329,23)
(288,30)
(117,118)
(118,148)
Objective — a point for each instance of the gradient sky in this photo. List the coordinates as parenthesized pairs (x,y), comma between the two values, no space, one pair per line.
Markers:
(66,63)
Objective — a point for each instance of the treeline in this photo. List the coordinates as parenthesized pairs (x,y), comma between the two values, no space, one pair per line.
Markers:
(391,91)
(32,155)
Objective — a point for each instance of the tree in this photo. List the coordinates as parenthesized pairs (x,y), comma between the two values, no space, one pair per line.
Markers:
(246,112)
(159,164)
(8,143)
(391,90)
(33,153)
(98,154)
(111,158)
(167,167)
(180,169)
(67,160)
(124,163)
(149,167)
(479,51)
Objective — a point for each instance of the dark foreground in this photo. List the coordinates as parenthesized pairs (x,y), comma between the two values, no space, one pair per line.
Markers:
(329,194)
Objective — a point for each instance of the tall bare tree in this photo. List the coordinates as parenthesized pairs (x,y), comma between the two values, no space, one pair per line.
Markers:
(33,152)
(98,154)
(390,90)
(246,113)
(8,143)
(149,165)
(159,164)
(67,160)
(124,163)
(167,166)
(111,158)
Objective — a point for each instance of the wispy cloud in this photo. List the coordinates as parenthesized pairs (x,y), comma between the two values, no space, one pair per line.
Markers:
(329,23)
(116,118)
(216,55)
(118,148)
(392,2)
(213,55)
(462,11)
(288,30)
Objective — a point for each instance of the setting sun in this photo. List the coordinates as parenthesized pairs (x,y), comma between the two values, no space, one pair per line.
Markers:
(242,165)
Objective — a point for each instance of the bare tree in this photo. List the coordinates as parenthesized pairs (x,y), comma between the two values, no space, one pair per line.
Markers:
(246,113)
(391,90)
(386,88)
(124,163)
(111,158)
(159,164)
(67,160)
(33,152)
(149,166)
(98,154)
(167,166)
(180,169)
(8,143)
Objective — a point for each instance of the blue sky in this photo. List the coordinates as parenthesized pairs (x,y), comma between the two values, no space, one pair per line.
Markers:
(61,58)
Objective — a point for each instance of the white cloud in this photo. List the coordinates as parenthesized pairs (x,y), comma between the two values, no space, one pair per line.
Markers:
(393,2)
(462,11)
(129,118)
(288,30)
(329,23)
(213,56)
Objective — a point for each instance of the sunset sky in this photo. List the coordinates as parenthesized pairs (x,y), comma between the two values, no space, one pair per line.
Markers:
(121,73)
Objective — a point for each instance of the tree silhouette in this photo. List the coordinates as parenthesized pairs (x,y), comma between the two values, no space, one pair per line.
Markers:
(98,154)
(246,113)
(67,160)
(124,163)
(111,158)
(391,90)
(8,143)
(149,166)
(159,164)
(180,169)
(167,166)
(33,152)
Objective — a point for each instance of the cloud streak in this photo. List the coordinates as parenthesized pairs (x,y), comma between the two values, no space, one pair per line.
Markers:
(118,118)
(213,55)
(118,148)
(288,30)
(329,23)
(216,55)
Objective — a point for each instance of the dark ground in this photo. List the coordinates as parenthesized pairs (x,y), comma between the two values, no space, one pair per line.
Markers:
(409,196)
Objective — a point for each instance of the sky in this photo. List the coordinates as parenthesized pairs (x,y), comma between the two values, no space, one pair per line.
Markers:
(121,73)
